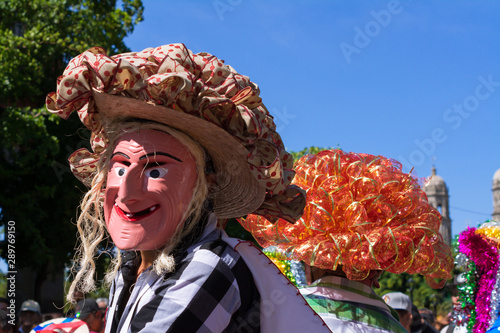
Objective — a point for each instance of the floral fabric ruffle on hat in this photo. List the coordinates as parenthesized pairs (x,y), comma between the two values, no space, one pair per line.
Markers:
(200,85)
(363,213)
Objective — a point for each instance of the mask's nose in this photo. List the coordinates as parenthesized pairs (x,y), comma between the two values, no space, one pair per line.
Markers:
(132,186)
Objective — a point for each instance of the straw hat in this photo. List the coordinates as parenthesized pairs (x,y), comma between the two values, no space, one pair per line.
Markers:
(199,95)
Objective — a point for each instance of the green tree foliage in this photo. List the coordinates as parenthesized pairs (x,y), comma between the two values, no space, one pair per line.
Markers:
(3,285)
(423,296)
(309,150)
(38,37)
(38,196)
(437,300)
(38,191)
(234,229)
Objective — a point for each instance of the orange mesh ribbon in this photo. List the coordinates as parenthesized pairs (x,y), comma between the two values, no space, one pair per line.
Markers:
(363,213)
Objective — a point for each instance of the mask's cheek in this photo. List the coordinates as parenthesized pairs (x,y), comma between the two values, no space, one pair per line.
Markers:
(110,195)
(160,227)
(125,236)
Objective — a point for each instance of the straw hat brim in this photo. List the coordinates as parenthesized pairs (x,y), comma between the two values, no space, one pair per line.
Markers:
(237,192)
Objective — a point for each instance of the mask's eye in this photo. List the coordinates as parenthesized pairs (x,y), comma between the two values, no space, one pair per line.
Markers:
(156,173)
(120,171)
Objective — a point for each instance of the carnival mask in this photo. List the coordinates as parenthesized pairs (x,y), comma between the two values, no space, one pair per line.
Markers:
(150,184)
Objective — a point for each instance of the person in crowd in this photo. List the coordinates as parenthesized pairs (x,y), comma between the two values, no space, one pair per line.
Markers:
(427,315)
(60,325)
(402,304)
(5,326)
(454,327)
(51,315)
(474,289)
(4,303)
(181,142)
(102,302)
(442,320)
(29,316)
(419,324)
(88,311)
(77,296)
(363,215)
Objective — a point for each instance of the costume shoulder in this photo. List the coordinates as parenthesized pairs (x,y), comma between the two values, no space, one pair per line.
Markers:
(282,307)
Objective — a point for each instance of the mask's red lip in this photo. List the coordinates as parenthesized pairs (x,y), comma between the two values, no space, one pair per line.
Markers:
(133,217)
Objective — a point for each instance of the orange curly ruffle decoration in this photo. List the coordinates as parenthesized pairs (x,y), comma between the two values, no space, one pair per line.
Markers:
(363,213)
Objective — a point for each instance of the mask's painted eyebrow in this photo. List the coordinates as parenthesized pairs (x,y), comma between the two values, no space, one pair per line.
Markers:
(121,154)
(160,153)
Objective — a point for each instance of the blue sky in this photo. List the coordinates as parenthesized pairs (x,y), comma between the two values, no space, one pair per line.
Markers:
(417,81)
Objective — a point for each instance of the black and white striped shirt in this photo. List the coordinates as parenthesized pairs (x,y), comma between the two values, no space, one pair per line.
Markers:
(211,290)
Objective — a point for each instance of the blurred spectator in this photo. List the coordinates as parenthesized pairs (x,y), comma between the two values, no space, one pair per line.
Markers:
(88,311)
(441,322)
(455,299)
(52,315)
(29,316)
(78,295)
(62,325)
(4,303)
(5,327)
(427,315)
(418,324)
(402,304)
(102,302)
(451,327)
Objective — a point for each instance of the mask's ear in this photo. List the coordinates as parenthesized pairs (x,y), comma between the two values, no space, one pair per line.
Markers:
(211,179)
(210,175)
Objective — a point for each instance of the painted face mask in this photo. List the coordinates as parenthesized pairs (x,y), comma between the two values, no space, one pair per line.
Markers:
(150,184)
